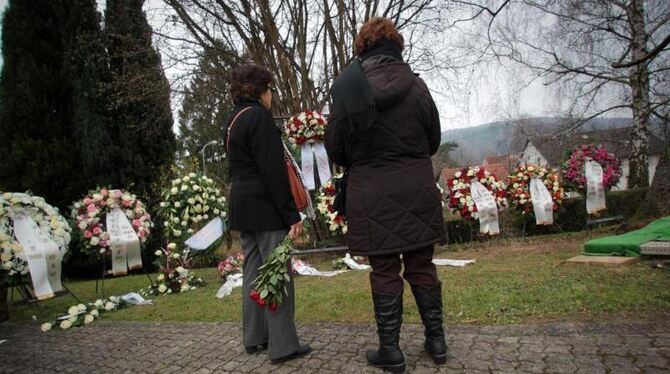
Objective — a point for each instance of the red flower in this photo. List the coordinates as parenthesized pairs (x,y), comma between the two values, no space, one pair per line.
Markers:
(254,295)
(260,302)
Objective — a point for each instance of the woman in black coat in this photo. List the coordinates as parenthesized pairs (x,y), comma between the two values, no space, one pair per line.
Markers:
(261,207)
(384,127)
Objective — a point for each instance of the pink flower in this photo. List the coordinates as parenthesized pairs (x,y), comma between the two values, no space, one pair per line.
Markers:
(137,223)
(91,208)
(88,234)
(97,230)
(127,203)
(142,233)
(104,192)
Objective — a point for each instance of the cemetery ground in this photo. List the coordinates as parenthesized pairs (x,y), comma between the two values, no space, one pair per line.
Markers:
(514,281)
(520,309)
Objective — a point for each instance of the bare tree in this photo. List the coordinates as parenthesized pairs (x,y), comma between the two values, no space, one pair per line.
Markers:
(305,43)
(611,56)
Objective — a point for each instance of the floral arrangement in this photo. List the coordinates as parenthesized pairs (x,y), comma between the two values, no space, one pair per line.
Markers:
(83,314)
(339,264)
(174,275)
(188,204)
(12,259)
(336,222)
(270,286)
(231,265)
(90,212)
(306,127)
(518,188)
(573,168)
(460,198)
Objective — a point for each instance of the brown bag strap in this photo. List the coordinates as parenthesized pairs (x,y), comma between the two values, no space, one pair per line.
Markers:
(230,127)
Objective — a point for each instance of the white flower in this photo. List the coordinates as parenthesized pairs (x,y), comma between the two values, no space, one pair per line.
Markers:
(114,299)
(73,310)
(88,319)
(45,327)
(176,232)
(158,253)
(163,204)
(184,223)
(160,277)
(95,313)
(191,201)
(176,182)
(109,306)
(176,255)
(95,240)
(184,287)
(65,325)
(172,246)
(98,303)
(174,190)
(162,288)
(180,269)
(81,307)
(187,178)
(177,204)
(184,187)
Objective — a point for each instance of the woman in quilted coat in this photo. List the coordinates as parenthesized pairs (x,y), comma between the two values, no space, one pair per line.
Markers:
(383,128)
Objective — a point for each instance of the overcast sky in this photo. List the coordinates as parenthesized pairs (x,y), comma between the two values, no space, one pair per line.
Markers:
(492,97)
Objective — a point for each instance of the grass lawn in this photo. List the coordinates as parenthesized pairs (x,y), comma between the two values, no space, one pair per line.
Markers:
(513,281)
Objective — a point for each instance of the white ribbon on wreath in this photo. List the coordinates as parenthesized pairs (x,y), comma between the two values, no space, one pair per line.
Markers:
(308,152)
(595,191)
(123,243)
(543,205)
(487,210)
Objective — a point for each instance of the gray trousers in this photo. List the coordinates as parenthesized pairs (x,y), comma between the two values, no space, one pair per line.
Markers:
(260,325)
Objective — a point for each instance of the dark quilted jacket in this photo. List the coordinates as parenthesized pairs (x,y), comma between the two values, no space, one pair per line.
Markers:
(393,204)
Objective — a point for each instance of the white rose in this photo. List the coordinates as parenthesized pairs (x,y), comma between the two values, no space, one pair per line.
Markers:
(6,256)
(176,232)
(180,269)
(95,240)
(186,179)
(190,231)
(95,313)
(158,253)
(81,307)
(172,246)
(176,255)
(216,211)
(191,201)
(184,223)
(109,306)
(163,204)
(177,204)
(174,190)
(45,327)
(88,319)
(162,288)
(73,310)
(65,325)
(184,187)
(184,287)
(160,277)
(98,303)
(82,225)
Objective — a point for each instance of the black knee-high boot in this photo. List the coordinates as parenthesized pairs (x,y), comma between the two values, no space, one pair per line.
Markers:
(388,313)
(429,302)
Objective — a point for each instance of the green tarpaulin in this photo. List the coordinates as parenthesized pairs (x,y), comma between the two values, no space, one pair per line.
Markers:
(629,244)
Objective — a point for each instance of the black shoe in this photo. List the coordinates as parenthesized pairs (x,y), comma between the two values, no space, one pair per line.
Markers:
(388,313)
(251,349)
(429,302)
(303,349)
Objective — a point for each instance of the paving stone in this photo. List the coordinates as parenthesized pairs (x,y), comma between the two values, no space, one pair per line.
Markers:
(136,347)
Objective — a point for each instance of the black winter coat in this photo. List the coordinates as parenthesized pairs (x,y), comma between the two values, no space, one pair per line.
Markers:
(260,194)
(392,202)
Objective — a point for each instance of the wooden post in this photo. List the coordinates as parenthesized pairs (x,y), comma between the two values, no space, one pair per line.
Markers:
(4,286)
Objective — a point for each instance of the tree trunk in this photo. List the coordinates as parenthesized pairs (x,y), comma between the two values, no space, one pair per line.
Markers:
(657,201)
(639,82)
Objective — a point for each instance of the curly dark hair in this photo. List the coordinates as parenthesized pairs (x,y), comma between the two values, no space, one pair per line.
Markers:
(248,82)
(374,31)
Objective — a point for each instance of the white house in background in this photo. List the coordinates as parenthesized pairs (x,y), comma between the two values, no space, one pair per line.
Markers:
(552,151)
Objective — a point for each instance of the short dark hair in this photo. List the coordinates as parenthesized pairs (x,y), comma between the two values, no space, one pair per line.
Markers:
(248,82)
(374,31)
